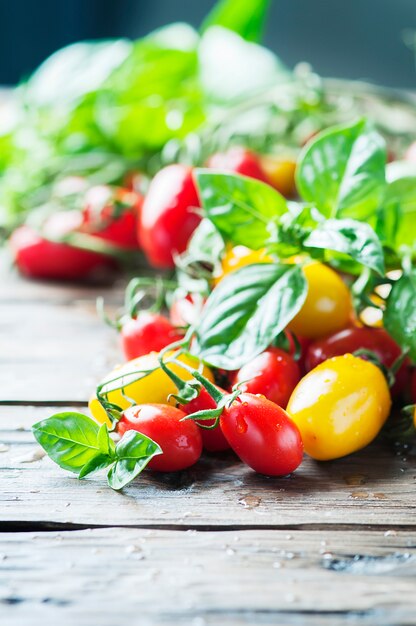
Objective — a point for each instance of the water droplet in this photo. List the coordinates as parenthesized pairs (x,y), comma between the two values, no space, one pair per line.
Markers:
(249,502)
(354,480)
(390,533)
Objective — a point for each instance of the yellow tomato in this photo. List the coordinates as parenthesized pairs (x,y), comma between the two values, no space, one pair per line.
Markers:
(240,256)
(154,388)
(280,172)
(327,307)
(340,406)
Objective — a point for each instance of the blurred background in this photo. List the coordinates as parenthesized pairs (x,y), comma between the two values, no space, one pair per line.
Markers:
(367,39)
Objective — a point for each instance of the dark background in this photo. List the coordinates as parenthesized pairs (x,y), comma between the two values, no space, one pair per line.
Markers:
(346,38)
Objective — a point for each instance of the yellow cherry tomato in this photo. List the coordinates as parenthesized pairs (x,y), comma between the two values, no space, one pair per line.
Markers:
(327,307)
(240,256)
(340,406)
(280,173)
(154,388)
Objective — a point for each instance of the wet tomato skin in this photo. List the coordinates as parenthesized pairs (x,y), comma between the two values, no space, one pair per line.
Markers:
(180,441)
(213,440)
(262,435)
(349,340)
(273,373)
(148,332)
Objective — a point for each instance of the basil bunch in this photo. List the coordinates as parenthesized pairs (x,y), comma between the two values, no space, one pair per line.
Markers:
(350,215)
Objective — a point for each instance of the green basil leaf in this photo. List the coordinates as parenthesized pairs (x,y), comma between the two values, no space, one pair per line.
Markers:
(356,239)
(241,208)
(398,219)
(245,17)
(206,242)
(133,453)
(342,171)
(69,439)
(246,311)
(249,69)
(400,313)
(98,462)
(105,444)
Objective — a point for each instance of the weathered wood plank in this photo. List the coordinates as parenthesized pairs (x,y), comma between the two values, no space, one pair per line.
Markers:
(113,575)
(53,352)
(374,487)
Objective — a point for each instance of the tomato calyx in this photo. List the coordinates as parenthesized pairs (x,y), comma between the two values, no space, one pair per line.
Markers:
(389,372)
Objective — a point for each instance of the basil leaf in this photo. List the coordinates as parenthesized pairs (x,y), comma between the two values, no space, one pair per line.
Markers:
(133,453)
(206,242)
(98,462)
(246,311)
(105,444)
(399,215)
(241,208)
(356,239)
(69,439)
(342,171)
(245,17)
(400,313)
(249,68)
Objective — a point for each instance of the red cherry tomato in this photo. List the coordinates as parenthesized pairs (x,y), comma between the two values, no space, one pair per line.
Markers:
(111,214)
(213,440)
(148,332)
(181,442)
(168,216)
(240,161)
(273,373)
(262,434)
(38,257)
(350,340)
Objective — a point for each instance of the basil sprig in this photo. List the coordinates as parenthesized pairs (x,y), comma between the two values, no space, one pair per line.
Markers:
(78,444)
(349,216)
(400,313)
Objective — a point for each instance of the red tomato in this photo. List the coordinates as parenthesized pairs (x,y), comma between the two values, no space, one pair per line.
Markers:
(111,214)
(38,257)
(273,373)
(262,434)
(213,440)
(181,442)
(240,161)
(168,216)
(352,339)
(148,332)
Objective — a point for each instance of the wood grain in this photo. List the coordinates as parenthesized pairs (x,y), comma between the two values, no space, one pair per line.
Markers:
(115,575)
(372,488)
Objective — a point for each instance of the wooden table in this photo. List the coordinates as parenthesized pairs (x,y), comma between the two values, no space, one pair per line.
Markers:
(334,544)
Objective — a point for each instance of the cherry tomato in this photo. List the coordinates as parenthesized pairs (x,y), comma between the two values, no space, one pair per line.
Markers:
(37,256)
(262,434)
(111,214)
(181,442)
(280,173)
(213,440)
(340,406)
(168,216)
(153,388)
(327,307)
(148,332)
(273,373)
(240,256)
(352,339)
(240,161)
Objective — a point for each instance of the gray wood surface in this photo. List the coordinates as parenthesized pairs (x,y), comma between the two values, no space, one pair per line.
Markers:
(334,544)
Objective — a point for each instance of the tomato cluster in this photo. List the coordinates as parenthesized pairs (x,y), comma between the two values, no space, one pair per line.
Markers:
(110,221)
